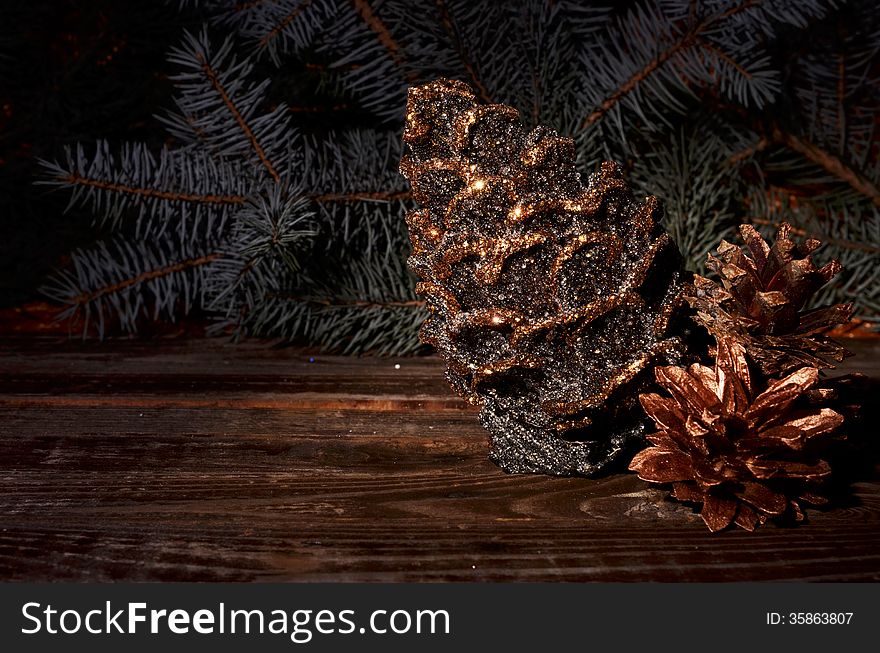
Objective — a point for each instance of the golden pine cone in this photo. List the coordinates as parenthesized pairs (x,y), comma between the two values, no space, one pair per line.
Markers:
(760,302)
(744,456)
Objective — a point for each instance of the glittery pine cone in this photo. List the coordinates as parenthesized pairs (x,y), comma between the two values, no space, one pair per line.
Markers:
(760,302)
(744,457)
(551,301)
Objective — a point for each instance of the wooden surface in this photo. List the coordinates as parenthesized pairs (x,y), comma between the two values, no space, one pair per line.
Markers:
(201,460)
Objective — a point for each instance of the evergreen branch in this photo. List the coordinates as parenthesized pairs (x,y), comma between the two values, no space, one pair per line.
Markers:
(352,165)
(149,275)
(760,145)
(736,9)
(691,176)
(264,248)
(223,111)
(162,277)
(75,179)
(300,235)
(837,242)
(215,82)
(689,38)
(283,23)
(718,52)
(446,20)
(828,162)
(323,67)
(630,84)
(186,190)
(383,34)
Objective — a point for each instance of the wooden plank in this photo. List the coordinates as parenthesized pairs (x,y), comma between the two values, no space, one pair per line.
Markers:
(206,461)
(213,374)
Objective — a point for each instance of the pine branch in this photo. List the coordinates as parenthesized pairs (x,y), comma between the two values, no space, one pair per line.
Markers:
(284,23)
(837,242)
(630,84)
(449,26)
(344,301)
(74,179)
(149,275)
(687,32)
(827,162)
(306,230)
(264,249)
(320,109)
(128,282)
(722,55)
(383,34)
(214,79)
(189,191)
(221,110)
(699,190)
(316,301)
(747,152)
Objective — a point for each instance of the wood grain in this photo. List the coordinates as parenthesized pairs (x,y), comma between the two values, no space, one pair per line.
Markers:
(201,460)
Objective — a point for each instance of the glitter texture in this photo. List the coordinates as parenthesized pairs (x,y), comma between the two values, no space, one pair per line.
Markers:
(551,301)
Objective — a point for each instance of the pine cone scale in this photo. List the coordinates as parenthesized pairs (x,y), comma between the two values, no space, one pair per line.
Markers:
(718,512)
(762,498)
(780,394)
(659,463)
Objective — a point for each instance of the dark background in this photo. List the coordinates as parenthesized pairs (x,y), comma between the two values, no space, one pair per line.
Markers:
(69,71)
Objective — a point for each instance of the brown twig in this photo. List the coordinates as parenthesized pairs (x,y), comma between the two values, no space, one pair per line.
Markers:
(687,40)
(366,196)
(721,54)
(284,22)
(839,242)
(640,75)
(827,161)
(759,146)
(365,10)
(214,79)
(449,26)
(85,298)
(171,196)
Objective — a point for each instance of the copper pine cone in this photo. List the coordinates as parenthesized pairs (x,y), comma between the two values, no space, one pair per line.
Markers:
(551,300)
(760,302)
(745,458)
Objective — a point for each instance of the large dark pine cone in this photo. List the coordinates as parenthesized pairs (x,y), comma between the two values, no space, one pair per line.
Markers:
(550,301)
